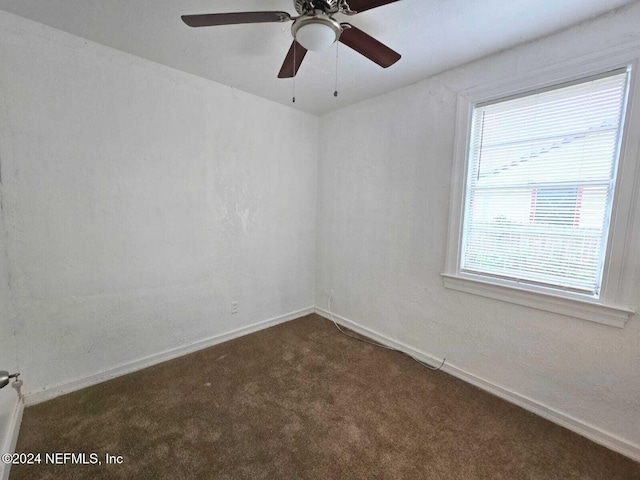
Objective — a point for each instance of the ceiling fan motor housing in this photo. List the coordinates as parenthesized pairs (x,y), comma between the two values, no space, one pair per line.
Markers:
(306,6)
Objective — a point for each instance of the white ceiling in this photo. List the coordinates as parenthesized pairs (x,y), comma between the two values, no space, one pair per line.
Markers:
(431,35)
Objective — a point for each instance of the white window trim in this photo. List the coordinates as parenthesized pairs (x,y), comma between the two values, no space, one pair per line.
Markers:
(612,307)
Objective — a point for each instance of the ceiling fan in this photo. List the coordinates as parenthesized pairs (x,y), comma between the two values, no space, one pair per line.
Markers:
(314,29)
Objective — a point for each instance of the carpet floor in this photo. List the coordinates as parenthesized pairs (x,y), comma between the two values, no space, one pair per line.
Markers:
(302,401)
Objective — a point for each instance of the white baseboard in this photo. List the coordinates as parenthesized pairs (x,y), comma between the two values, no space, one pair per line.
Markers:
(591,432)
(71,386)
(12,437)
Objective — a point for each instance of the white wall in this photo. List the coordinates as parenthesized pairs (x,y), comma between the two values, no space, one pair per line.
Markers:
(8,397)
(383,201)
(140,201)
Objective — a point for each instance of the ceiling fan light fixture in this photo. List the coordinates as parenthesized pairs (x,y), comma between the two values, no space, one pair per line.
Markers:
(316,32)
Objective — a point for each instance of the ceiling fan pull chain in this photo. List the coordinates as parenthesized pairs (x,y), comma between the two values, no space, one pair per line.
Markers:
(335,92)
(293,70)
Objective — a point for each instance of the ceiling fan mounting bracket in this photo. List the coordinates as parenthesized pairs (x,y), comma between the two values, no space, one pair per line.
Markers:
(284,17)
(345,9)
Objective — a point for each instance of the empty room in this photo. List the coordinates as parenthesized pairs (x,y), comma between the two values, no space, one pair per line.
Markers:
(320,239)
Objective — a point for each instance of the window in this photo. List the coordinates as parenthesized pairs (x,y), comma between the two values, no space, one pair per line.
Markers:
(529,158)
(536,205)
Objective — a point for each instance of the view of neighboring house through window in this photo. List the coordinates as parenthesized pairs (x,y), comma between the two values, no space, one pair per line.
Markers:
(540,184)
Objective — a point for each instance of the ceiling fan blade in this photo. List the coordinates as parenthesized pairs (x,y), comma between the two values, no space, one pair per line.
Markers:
(295,56)
(368,46)
(362,5)
(213,19)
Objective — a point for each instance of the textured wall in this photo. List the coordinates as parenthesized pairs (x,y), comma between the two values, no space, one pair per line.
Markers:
(383,200)
(8,396)
(140,202)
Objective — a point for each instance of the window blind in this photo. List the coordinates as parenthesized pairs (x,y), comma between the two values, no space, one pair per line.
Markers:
(540,184)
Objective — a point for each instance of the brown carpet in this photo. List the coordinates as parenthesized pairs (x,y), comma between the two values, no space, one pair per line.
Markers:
(302,401)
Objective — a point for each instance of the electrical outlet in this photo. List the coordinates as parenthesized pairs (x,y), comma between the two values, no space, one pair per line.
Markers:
(234,307)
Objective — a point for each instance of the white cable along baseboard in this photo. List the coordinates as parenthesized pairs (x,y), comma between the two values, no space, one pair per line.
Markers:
(71,386)
(591,432)
(9,445)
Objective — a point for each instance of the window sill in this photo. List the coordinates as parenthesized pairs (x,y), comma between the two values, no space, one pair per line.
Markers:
(572,307)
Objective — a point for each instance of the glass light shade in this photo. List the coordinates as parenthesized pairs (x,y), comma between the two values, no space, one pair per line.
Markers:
(316,36)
